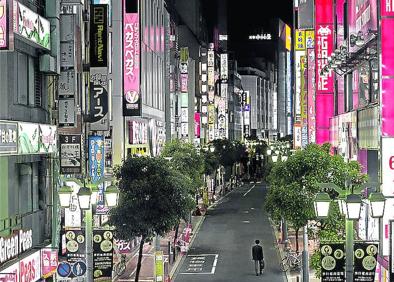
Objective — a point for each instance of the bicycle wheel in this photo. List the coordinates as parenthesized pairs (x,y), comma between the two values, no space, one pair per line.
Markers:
(284,265)
(120,269)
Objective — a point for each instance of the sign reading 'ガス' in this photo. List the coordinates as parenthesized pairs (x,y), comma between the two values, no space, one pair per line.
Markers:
(14,245)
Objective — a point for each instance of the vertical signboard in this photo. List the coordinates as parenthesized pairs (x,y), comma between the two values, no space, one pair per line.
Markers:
(99,99)
(365,261)
(387,72)
(305,14)
(98,85)
(96,157)
(311,96)
(103,246)
(159,266)
(98,35)
(391,256)
(49,262)
(304,101)
(387,188)
(70,154)
(131,59)
(332,262)
(224,66)
(324,81)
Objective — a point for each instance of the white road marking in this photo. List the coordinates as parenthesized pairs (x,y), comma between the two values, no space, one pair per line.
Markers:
(246,221)
(249,190)
(246,211)
(214,264)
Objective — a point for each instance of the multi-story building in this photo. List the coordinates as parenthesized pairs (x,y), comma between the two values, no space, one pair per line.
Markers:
(351,65)
(29,65)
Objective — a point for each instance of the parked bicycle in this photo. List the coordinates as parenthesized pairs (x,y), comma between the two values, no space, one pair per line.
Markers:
(291,260)
(120,267)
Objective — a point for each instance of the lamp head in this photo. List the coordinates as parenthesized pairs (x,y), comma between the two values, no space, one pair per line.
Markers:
(322,205)
(353,206)
(377,202)
(84,197)
(65,196)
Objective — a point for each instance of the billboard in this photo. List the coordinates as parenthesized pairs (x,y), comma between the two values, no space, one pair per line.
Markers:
(31,26)
(131,60)
(70,154)
(324,31)
(98,35)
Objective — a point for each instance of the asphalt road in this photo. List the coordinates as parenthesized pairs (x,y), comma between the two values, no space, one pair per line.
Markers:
(221,251)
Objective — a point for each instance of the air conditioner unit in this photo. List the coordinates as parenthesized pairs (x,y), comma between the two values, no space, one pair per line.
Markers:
(47,64)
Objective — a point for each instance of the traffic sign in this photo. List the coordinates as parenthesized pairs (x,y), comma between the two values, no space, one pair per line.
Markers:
(64,269)
(79,268)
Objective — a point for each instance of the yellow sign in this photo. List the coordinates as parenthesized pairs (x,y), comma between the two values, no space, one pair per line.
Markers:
(159,266)
(300,40)
(304,101)
(310,39)
(288,37)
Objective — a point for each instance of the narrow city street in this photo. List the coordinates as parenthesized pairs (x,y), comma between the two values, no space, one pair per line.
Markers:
(221,250)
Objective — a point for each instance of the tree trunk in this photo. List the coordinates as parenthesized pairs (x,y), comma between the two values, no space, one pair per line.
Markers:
(175,239)
(296,237)
(137,273)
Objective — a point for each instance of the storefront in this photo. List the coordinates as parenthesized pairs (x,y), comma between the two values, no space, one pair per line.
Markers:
(19,262)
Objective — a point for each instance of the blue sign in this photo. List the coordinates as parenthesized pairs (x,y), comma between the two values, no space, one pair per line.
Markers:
(64,269)
(96,157)
(79,268)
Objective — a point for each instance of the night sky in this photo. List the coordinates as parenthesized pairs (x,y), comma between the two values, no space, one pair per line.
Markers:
(247,17)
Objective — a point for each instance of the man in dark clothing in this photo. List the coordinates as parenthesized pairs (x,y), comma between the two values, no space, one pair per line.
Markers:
(258,257)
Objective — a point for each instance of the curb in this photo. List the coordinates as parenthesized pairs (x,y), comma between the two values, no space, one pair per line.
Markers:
(180,261)
(279,251)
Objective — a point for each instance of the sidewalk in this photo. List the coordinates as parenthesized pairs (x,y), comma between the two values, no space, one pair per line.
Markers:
(296,275)
(170,265)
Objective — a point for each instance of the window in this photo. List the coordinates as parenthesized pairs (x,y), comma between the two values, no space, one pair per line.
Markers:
(29,91)
(28,184)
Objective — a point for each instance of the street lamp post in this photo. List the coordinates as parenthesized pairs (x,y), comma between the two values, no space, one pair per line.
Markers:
(350,205)
(86,198)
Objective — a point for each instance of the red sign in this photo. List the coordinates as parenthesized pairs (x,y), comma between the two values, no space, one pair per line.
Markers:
(49,261)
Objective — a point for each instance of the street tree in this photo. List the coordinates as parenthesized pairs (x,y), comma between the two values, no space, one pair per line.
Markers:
(294,184)
(153,199)
(185,158)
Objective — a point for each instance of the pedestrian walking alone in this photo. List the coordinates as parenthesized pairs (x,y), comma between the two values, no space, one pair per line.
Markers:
(258,257)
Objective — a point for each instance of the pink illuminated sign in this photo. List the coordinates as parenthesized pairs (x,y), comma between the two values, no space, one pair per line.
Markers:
(311,96)
(387,8)
(131,64)
(387,107)
(324,36)
(3,24)
(197,125)
(387,47)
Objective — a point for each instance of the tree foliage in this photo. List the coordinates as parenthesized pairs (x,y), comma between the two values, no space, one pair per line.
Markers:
(186,159)
(229,152)
(153,199)
(294,184)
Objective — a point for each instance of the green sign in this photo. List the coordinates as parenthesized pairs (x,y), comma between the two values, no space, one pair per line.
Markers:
(159,266)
